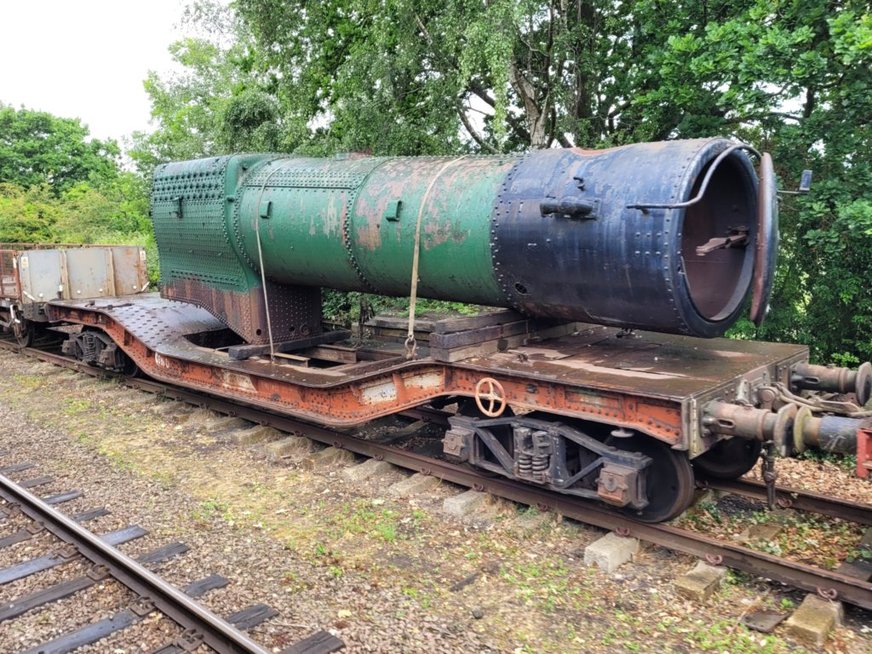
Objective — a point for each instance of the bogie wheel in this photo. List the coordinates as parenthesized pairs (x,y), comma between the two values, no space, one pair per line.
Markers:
(669,478)
(23,331)
(130,369)
(728,459)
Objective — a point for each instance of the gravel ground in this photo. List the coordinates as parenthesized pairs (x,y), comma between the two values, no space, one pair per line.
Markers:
(382,573)
(829,475)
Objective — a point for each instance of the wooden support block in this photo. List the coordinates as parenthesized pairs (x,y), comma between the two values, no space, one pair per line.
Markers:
(295,359)
(450,355)
(333,353)
(461,323)
(466,337)
(240,352)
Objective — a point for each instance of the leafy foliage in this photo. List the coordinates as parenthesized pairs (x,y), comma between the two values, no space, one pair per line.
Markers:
(115,212)
(216,104)
(38,148)
(59,186)
(798,81)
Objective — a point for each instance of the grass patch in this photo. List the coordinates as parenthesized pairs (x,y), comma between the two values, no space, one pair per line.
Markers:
(730,636)
(546,584)
(362,517)
(210,509)
(27,382)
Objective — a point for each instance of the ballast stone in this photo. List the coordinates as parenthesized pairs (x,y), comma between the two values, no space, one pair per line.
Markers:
(860,567)
(462,505)
(701,582)
(611,551)
(760,533)
(367,469)
(814,619)
(413,485)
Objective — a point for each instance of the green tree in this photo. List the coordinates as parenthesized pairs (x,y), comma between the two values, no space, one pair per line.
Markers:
(216,103)
(109,213)
(83,213)
(407,76)
(58,186)
(39,148)
(27,215)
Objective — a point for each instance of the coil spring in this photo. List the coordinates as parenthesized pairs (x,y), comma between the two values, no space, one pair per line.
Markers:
(525,464)
(540,466)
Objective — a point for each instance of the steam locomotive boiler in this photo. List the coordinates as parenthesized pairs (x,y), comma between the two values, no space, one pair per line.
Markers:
(550,234)
(596,371)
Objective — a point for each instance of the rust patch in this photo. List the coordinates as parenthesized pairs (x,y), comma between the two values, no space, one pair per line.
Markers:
(376,389)
(245,312)
(368,233)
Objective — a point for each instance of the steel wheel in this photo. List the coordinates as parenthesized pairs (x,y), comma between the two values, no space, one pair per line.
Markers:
(130,368)
(23,331)
(669,478)
(728,459)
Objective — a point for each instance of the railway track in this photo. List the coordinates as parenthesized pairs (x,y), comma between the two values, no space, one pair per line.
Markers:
(792,498)
(152,593)
(828,583)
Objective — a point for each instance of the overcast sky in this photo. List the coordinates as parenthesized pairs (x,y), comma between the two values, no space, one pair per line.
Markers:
(86,58)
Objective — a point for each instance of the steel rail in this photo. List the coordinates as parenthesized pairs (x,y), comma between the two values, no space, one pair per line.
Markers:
(828,583)
(793,498)
(215,632)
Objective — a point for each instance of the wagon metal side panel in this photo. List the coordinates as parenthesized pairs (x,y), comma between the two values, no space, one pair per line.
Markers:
(8,275)
(128,265)
(42,275)
(90,273)
(80,273)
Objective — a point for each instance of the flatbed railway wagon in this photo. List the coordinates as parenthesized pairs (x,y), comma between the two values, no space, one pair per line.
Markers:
(599,373)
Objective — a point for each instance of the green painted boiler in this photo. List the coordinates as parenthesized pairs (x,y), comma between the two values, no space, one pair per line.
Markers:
(606,236)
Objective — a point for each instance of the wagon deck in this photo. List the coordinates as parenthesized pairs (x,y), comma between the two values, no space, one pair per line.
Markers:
(650,382)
